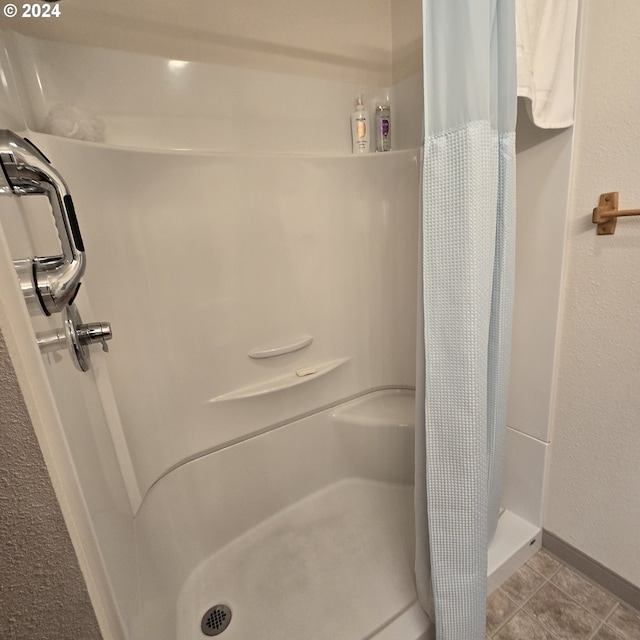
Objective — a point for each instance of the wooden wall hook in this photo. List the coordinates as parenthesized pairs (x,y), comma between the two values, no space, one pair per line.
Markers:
(606,214)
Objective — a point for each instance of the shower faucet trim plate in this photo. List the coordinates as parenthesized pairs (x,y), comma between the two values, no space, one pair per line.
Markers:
(76,336)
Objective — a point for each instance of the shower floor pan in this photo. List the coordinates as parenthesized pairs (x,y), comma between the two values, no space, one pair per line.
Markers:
(304,532)
(338,565)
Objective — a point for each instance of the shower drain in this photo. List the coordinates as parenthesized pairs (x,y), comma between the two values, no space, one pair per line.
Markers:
(216,620)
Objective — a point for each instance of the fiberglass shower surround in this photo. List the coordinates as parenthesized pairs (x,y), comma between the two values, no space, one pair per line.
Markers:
(178,424)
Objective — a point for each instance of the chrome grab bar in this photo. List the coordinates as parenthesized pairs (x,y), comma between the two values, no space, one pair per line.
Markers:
(49,283)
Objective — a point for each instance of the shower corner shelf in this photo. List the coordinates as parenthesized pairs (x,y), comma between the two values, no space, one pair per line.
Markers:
(293,379)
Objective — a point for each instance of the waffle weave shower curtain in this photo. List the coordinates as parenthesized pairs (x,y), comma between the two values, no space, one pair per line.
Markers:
(468,228)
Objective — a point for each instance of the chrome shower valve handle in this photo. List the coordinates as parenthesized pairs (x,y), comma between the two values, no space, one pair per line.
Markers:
(75,336)
(48,283)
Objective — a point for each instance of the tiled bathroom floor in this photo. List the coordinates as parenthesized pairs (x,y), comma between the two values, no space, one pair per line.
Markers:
(547,600)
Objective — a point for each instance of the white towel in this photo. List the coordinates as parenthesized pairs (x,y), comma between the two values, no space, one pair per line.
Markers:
(546,40)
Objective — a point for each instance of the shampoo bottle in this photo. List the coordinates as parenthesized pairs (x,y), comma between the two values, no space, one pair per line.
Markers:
(360,133)
(383,127)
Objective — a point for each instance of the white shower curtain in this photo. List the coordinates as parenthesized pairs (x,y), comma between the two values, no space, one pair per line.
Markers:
(467,290)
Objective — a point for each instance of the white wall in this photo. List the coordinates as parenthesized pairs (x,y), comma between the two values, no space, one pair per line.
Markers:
(11,115)
(543,161)
(593,494)
(195,282)
(348,41)
(406,36)
(543,166)
(154,102)
(277,76)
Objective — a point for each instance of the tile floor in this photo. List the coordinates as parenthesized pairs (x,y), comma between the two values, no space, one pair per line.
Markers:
(547,600)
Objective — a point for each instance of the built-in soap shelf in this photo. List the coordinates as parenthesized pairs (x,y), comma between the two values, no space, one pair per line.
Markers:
(293,379)
(274,350)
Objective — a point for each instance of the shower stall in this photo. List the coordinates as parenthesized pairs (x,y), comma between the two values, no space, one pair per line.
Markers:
(240,462)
